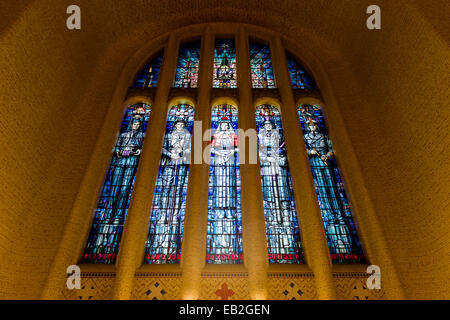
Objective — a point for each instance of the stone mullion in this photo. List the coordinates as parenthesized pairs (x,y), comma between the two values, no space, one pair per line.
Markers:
(254,233)
(194,238)
(136,225)
(312,230)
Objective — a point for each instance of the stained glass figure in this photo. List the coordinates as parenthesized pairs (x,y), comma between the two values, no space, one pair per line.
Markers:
(282,227)
(261,66)
(148,77)
(299,77)
(188,63)
(104,238)
(336,213)
(165,236)
(224,71)
(224,231)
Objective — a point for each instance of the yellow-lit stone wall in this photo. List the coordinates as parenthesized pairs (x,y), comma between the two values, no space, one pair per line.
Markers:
(157,286)
(224,286)
(285,286)
(353,286)
(387,96)
(228,286)
(94,286)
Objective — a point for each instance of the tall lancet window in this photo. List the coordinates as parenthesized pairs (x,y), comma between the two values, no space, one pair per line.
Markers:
(224,231)
(188,63)
(261,66)
(148,76)
(282,227)
(169,200)
(336,213)
(110,213)
(299,77)
(224,73)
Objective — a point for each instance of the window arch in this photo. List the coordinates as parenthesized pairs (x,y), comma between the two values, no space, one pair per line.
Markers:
(282,227)
(224,228)
(165,235)
(106,231)
(224,217)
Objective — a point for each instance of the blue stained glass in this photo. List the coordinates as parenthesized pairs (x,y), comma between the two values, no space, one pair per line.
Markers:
(335,208)
(148,77)
(261,66)
(165,236)
(224,71)
(282,227)
(299,77)
(188,63)
(104,238)
(224,231)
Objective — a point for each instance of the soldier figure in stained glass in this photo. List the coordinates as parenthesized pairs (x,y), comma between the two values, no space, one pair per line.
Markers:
(176,155)
(169,199)
(317,145)
(334,205)
(320,153)
(277,192)
(104,238)
(330,192)
(224,197)
(123,170)
(282,229)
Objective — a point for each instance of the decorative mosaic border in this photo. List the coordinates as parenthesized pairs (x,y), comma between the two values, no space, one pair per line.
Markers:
(287,275)
(350,275)
(224,275)
(157,275)
(98,274)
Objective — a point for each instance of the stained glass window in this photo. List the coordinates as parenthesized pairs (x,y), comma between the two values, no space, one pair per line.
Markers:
(165,236)
(224,231)
(282,227)
(261,66)
(299,77)
(224,75)
(148,77)
(188,63)
(104,238)
(336,213)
